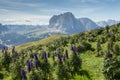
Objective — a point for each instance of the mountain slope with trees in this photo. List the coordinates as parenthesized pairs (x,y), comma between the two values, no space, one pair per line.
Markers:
(89,55)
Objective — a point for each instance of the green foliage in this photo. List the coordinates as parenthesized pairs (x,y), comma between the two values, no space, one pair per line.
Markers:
(35,75)
(83,46)
(98,48)
(111,68)
(46,70)
(62,72)
(116,49)
(15,70)
(5,61)
(75,64)
(81,65)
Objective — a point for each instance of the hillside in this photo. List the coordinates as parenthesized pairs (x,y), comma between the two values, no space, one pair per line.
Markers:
(3,28)
(40,42)
(81,56)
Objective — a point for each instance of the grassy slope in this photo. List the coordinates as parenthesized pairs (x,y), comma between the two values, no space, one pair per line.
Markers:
(43,41)
(35,43)
(91,64)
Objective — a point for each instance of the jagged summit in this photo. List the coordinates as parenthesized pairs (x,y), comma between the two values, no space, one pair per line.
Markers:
(68,23)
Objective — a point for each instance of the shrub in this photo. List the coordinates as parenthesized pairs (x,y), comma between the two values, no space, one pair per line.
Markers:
(111,68)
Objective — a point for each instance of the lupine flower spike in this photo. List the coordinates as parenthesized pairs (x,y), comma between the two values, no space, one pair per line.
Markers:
(23,74)
(59,58)
(35,56)
(29,65)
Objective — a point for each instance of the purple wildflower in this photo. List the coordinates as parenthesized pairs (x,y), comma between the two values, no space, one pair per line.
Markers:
(29,65)
(23,74)
(59,57)
(73,49)
(35,56)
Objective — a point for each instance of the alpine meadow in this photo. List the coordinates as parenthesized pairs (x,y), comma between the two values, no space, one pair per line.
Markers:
(59,39)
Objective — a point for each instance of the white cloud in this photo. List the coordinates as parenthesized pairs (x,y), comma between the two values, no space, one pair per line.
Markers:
(16,17)
(25,19)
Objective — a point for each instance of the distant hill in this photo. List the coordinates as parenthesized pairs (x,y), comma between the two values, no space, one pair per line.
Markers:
(19,34)
(3,28)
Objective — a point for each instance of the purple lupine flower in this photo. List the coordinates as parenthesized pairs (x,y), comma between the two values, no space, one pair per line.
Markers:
(59,57)
(73,49)
(23,74)
(29,65)
(36,63)
(66,54)
(35,56)
(13,49)
(45,56)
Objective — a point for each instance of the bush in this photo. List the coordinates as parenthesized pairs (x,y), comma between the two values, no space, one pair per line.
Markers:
(75,64)
(111,68)
(62,72)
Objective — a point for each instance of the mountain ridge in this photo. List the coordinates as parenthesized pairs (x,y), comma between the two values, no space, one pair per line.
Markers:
(70,24)
(107,23)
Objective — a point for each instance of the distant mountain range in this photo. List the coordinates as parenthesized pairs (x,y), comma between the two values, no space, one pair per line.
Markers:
(19,34)
(108,22)
(3,28)
(65,23)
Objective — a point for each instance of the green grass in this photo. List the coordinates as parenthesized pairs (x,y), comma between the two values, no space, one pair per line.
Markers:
(93,65)
(43,41)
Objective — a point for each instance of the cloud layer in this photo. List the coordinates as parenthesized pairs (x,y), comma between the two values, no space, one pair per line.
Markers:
(39,11)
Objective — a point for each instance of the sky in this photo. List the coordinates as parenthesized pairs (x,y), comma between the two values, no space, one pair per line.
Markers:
(38,12)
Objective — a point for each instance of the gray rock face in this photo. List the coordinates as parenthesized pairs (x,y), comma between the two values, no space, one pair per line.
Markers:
(66,22)
(69,24)
(88,23)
